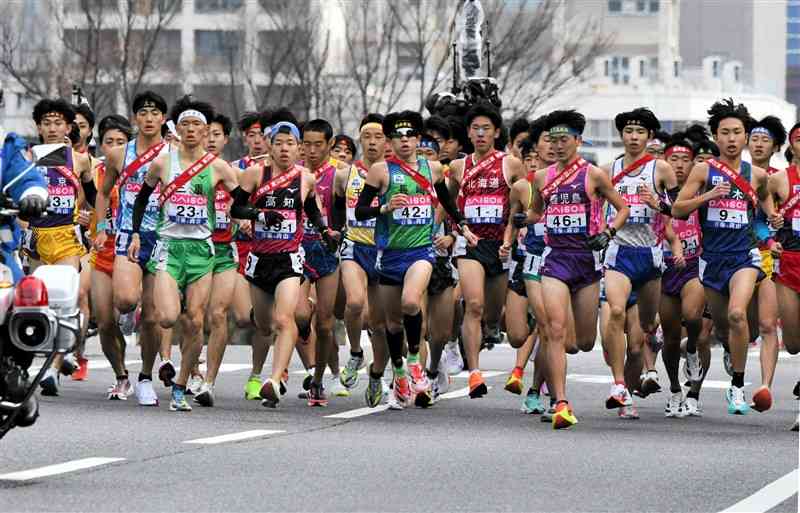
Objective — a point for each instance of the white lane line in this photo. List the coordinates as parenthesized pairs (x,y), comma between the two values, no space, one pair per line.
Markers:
(603,379)
(768,497)
(234,437)
(229,367)
(61,468)
(361,412)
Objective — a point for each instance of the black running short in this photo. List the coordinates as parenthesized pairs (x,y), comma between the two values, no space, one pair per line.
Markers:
(441,277)
(267,270)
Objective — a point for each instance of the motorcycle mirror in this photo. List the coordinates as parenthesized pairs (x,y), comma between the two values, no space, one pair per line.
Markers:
(50,155)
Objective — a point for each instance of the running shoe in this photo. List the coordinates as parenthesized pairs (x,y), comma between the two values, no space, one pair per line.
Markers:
(618,397)
(82,371)
(178,401)
(146,394)
(419,380)
(692,407)
(307,381)
(762,399)
(650,383)
(656,340)
(387,390)
(49,382)
(796,425)
(514,382)
(393,403)
(491,338)
(205,395)
(548,415)
(195,383)
(563,417)
(532,404)
(727,363)
(270,394)
(477,386)
(402,391)
(316,395)
(252,389)
(628,413)
(439,385)
(68,365)
(336,388)
(374,392)
(166,372)
(675,408)
(736,402)
(796,390)
(452,358)
(120,390)
(692,369)
(127,323)
(349,375)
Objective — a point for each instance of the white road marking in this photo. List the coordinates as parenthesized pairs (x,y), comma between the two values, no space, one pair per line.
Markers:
(61,468)
(604,379)
(229,367)
(234,437)
(361,412)
(768,497)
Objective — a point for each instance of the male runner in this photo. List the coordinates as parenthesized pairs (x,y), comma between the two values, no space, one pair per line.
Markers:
(344,149)
(519,131)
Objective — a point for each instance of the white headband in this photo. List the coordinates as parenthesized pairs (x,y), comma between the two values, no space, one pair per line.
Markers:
(193,114)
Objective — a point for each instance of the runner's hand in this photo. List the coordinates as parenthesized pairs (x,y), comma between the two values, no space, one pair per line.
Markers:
(84,218)
(776,249)
(600,241)
(397,201)
(443,242)
(719,191)
(471,238)
(331,240)
(679,261)
(133,248)
(504,251)
(776,220)
(100,240)
(649,197)
(270,217)
(246,226)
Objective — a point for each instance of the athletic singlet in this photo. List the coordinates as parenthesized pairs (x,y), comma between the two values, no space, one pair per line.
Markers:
(726,222)
(640,229)
(411,226)
(224,229)
(362,232)
(63,205)
(131,188)
(242,164)
(571,216)
(286,236)
(762,228)
(483,197)
(324,190)
(189,212)
(534,238)
(789,234)
(689,233)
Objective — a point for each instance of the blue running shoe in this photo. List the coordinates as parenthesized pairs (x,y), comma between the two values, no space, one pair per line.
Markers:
(179,402)
(736,402)
(532,404)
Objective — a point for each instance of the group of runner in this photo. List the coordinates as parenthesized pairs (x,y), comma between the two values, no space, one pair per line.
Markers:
(431,237)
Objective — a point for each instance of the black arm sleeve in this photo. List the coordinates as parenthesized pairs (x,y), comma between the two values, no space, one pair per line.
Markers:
(240,208)
(311,209)
(672,194)
(363,209)
(339,213)
(443,193)
(90,192)
(140,205)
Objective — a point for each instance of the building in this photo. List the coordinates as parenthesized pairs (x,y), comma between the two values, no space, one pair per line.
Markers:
(793,51)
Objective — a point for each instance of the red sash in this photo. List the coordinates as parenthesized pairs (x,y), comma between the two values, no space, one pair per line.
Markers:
(562,177)
(361,168)
(184,177)
(151,153)
(69,175)
(277,182)
(633,167)
(794,197)
(420,180)
(482,165)
(737,179)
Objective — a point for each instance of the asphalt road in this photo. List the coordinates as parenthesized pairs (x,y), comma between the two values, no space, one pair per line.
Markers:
(461,455)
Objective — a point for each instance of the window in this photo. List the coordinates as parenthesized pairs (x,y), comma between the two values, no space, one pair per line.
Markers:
(715,69)
(204,6)
(166,51)
(620,70)
(148,7)
(653,68)
(274,51)
(81,42)
(606,65)
(676,69)
(793,11)
(223,97)
(641,5)
(615,6)
(792,60)
(793,44)
(654,6)
(292,96)
(408,61)
(217,48)
(642,68)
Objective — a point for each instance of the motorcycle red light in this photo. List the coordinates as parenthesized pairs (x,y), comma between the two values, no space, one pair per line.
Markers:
(30,291)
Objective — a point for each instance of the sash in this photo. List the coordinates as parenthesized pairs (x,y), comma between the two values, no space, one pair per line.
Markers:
(482,165)
(737,179)
(151,153)
(361,168)
(794,197)
(184,178)
(420,180)
(633,167)
(275,183)
(562,178)
(69,175)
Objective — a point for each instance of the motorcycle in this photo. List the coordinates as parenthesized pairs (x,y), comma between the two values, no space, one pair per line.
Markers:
(38,316)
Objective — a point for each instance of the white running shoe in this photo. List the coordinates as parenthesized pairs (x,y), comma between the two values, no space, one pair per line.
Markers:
(393,403)
(692,368)
(335,387)
(674,407)
(49,382)
(692,407)
(205,395)
(618,397)
(195,384)
(387,392)
(146,394)
(452,358)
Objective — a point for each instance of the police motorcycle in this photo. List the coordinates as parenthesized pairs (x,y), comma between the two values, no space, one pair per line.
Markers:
(39,315)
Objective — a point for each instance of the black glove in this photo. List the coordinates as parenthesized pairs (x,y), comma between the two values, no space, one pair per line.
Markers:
(330,242)
(600,241)
(270,217)
(32,207)
(520,220)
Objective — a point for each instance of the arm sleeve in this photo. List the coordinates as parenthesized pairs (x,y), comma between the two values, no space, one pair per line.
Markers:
(339,213)
(443,193)
(363,209)
(140,205)
(90,191)
(311,209)
(240,208)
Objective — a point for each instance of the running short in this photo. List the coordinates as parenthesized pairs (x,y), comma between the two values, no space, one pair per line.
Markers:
(717,269)
(392,264)
(486,252)
(243,248)
(53,244)
(267,270)
(186,260)
(675,278)
(442,276)
(639,265)
(532,266)
(362,254)
(226,257)
(516,281)
(147,243)
(319,262)
(103,260)
(787,270)
(576,268)
(767,262)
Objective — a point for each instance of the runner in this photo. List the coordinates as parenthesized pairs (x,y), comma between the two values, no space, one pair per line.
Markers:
(724,191)
(568,195)
(344,149)
(482,181)
(131,283)
(519,131)
(183,259)
(633,259)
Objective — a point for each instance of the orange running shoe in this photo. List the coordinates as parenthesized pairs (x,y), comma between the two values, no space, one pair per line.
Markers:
(762,399)
(477,386)
(514,382)
(83,370)
(563,418)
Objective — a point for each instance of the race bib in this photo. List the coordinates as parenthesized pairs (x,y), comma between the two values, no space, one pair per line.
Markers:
(728,213)
(539,229)
(284,230)
(250,265)
(223,221)
(352,222)
(484,209)
(187,209)
(418,211)
(532,265)
(640,212)
(796,222)
(566,219)
(132,189)
(62,199)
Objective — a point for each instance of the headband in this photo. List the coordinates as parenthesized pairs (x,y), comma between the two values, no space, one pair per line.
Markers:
(191,113)
(149,104)
(762,130)
(371,124)
(429,143)
(402,123)
(563,130)
(172,130)
(678,149)
(275,129)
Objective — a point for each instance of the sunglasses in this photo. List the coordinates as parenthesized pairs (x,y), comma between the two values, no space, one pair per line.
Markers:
(404,132)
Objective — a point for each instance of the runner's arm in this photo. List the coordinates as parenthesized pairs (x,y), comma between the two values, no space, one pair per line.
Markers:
(443,193)
(765,199)
(688,200)
(604,188)
(374,183)
(149,184)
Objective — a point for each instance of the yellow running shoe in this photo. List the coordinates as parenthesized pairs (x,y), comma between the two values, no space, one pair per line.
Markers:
(563,417)
(252,390)
(514,382)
